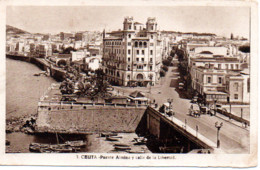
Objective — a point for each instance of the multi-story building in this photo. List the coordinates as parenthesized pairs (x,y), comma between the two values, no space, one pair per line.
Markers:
(132,55)
(65,36)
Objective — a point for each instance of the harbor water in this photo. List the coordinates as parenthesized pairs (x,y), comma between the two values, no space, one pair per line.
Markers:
(23,91)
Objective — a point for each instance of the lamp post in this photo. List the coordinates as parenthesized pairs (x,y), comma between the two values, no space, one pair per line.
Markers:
(215,101)
(151,81)
(218,126)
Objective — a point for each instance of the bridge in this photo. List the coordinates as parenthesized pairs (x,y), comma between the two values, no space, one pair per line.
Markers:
(167,129)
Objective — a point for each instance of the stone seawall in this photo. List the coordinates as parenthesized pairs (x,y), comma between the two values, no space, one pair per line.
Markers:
(56,73)
(89,120)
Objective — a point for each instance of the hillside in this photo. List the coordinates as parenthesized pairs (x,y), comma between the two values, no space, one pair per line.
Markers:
(14,30)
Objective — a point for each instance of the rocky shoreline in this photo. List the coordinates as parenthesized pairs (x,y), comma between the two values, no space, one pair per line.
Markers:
(20,124)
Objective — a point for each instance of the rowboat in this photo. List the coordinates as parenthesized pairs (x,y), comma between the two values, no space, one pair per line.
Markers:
(121,144)
(111,138)
(77,143)
(122,147)
(49,148)
(140,141)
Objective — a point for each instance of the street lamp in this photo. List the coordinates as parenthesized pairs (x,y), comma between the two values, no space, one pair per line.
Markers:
(218,126)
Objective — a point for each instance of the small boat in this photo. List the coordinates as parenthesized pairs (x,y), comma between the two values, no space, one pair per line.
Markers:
(52,148)
(108,134)
(111,138)
(140,141)
(77,143)
(121,144)
(122,147)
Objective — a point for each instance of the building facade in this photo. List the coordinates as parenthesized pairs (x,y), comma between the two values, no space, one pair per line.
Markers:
(132,55)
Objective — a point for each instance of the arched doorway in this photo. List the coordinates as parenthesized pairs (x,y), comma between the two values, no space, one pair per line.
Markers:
(140,79)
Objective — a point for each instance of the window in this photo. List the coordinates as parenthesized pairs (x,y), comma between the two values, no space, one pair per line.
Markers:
(129,27)
(129,59)
(145,44)
(227,66)
(137,51)
(151,52)
(136,44)
(129,35)
(142,52)
(151,36)
(237,66)
(137,59)
(143,59)
(151,60)
(219,66)
(135,27)
(235,96)
(128,68)
(129,51)
(151,44)
(232,66)
(209,79)
(139,67)
(220,80)
(140,44)
(129,43)
(151,68)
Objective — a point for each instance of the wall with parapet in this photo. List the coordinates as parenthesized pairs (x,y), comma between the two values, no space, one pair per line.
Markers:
(89,120)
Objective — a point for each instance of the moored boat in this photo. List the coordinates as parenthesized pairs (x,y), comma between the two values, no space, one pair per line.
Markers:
(121,144)
(77,143)
(140,140)
(122,147)
(53,148)
(111,138)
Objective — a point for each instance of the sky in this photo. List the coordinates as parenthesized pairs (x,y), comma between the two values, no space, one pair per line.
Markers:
(54,19)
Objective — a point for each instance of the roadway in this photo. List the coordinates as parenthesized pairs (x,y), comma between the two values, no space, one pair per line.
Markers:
(233,138)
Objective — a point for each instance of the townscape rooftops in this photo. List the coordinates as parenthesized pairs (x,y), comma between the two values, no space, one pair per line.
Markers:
(217,58)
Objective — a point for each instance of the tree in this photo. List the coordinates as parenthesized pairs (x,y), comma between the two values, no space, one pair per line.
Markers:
(165,68)
(68,50)
(162,73)
(166,62)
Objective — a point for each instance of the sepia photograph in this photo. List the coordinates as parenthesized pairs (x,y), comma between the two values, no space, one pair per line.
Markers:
(129,82)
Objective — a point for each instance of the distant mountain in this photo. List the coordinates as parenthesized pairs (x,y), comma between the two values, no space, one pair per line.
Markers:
(13,30)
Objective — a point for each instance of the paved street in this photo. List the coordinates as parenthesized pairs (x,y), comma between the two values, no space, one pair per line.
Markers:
(233,139)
